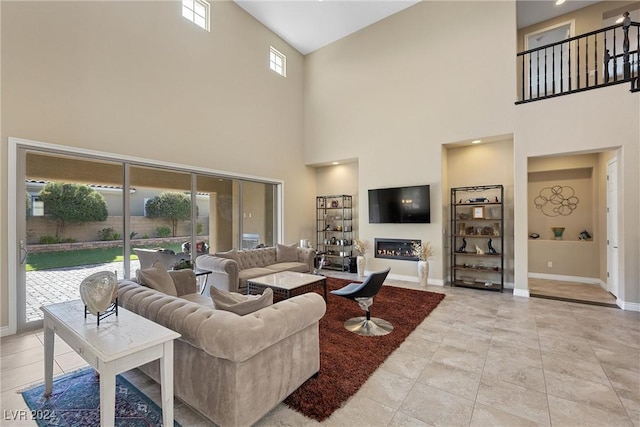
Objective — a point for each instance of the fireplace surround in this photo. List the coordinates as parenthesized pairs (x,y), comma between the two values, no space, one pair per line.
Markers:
(395,249)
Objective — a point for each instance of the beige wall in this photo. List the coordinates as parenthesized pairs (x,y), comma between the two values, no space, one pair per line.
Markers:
(578,124)
(391,94)
(137,79)
(339,179)
(569,257)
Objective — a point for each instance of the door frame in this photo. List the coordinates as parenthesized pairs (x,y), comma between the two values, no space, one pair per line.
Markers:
(572,31)
(613,267)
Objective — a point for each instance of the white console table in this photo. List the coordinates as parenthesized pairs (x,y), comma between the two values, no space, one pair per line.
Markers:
(119,344)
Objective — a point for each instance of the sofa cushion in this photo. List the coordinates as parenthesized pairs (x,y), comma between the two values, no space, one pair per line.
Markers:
(286,253)
(241,304)
(257,257)
(232,254)
(250,273)
(156,277)
(300,267)
(199,299)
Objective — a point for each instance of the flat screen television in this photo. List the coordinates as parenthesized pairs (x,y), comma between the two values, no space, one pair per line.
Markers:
(400,205)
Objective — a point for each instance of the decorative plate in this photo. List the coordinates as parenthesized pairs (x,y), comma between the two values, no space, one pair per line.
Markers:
(98,291)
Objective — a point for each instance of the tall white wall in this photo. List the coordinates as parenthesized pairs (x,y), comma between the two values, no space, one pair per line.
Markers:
(391,94)
(137,79)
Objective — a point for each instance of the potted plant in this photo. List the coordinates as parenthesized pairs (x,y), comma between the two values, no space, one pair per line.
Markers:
(424,252)
(360,246)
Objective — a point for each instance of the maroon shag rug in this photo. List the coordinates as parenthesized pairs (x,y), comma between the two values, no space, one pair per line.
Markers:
(347,359)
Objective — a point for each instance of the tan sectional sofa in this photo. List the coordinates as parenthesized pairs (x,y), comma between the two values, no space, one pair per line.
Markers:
(231,270)
(232,369)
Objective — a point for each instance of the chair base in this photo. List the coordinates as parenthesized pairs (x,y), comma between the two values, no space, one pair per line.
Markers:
(370,328)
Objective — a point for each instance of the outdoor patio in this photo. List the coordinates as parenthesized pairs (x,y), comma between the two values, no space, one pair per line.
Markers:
(52,286)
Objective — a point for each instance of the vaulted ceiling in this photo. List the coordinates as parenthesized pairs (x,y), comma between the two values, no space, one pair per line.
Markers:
(308,25)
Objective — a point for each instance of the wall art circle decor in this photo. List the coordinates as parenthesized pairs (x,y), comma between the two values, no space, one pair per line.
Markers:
(556,201)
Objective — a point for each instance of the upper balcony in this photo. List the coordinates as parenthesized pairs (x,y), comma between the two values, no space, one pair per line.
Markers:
(599,58)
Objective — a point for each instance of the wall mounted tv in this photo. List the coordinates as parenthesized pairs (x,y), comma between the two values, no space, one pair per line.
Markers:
(400,205)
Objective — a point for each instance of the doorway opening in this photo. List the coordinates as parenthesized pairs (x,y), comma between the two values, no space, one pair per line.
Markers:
(570,235)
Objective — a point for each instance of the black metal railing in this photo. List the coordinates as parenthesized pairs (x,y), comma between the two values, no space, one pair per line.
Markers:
(600,58)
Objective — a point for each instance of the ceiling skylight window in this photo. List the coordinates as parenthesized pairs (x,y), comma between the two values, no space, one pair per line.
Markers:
(196,11)
(277,62)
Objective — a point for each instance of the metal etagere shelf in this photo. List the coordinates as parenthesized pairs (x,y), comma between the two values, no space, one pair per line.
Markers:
(477,237)
(334,230)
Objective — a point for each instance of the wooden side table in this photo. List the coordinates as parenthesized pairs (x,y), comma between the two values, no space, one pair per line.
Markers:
(119,344)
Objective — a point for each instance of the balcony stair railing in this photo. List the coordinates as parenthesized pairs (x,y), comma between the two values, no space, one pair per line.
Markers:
(601,58)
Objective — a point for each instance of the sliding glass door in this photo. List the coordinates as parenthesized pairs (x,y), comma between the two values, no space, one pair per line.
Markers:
(77,214)
(71,213)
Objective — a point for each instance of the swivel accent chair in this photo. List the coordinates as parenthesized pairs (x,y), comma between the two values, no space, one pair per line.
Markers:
(363,294)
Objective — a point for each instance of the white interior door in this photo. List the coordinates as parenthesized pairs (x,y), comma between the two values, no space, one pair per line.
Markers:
(540,74)
(612,226)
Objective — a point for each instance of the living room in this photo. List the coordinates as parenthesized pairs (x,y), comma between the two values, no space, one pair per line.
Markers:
(391,103)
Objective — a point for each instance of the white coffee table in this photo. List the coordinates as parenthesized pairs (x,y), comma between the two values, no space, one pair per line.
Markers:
(286,284)
(119,344)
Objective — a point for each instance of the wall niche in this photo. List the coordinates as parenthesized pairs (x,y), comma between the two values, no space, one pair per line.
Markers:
(561,199)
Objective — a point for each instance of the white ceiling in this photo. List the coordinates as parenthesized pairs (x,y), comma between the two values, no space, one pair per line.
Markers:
(308,25)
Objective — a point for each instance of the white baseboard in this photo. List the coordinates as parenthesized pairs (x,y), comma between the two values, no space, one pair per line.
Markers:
(415,279)
(4,331)
(629,306)
(563,278)
(521,293)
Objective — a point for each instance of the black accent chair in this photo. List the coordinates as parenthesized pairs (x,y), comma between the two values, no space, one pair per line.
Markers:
(363,294)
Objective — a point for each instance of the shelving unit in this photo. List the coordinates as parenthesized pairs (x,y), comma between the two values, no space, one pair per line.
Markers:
(334,230)
(477,237)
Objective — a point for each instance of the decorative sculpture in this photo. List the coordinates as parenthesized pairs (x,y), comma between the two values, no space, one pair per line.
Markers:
(557,232)
(463,249)
(607,58)
(99,293)
(479,251)
(626,65)
(492,251)
(584,235)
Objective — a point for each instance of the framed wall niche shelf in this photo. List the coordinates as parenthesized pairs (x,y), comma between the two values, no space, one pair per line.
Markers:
(334,230)
(477,237)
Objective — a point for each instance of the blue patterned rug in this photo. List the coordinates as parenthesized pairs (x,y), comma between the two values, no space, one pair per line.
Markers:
(75,401)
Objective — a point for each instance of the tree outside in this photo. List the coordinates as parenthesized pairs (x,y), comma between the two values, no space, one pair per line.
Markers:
(72,204)
(171,206)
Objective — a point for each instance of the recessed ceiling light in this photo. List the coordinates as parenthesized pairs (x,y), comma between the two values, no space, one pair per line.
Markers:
(335,163)
(477,141)
(559,2)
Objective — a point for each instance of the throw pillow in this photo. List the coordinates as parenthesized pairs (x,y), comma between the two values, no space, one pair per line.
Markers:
(240,304)
(287,253)
(157,277)
(232,254)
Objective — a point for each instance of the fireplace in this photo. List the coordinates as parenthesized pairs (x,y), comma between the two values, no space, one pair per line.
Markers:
(395,249)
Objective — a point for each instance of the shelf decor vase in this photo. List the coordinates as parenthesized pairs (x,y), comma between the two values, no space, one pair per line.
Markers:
(360,263)
(423,272)
(557,232)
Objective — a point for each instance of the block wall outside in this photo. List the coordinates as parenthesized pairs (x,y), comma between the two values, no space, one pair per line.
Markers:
(44,226)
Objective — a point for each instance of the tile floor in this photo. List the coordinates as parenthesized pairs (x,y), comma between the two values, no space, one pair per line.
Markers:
(479,359)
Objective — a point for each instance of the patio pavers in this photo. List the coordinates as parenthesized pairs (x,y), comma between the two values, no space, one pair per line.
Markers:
(53,286)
